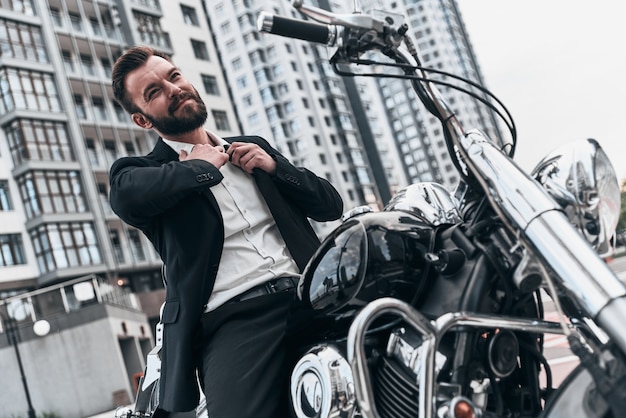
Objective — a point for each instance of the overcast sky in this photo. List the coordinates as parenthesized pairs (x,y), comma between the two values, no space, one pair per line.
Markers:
(560,68)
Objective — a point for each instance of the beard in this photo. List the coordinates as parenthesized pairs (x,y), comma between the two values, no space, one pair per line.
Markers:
(189,119)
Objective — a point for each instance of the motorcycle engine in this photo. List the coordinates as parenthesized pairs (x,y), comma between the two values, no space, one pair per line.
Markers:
(322,382)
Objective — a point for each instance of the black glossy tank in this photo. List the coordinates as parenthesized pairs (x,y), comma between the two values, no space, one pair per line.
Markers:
(369,256)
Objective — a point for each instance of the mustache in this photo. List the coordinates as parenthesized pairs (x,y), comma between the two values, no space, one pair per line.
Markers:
(181,98)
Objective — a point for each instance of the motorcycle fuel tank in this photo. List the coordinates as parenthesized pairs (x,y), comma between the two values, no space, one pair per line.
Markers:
(372,255)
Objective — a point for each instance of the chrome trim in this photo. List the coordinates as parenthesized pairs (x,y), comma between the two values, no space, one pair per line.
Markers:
(538,221)
(431,202)
(265,22)
(432,332)
(322,379)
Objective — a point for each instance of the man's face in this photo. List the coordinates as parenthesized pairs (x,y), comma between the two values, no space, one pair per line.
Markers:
(167,100)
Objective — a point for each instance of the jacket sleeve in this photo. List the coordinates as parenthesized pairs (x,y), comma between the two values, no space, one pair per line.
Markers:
(142,188)
(315,196)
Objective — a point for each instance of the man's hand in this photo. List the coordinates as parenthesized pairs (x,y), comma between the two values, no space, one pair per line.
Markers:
(209,153)
(249,156)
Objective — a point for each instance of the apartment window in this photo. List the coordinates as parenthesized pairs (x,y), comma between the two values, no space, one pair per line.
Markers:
(289,107)
(5,197)
(87,63)
(64,245)
(135,245)
(114,236)
(106,66)
(189,15)
(92,152)
(21,41)
(257,57)
(251,37)
(219,9)
(81,112)
(225,28)
(221,120)
(261,76)
(277,70)
(55,14)
(30,90)
(247,100)
(150,31)
(45,192)
(11,250)
(110,151)
(242,82)
(253,119)
(95,26)
(295,127)
(120,113)
(76,21)
(210,85)
(237,64)
(200,50)
(38,140)
(68,61)
(99,108)
(267,95)
(23,6)
(129,148)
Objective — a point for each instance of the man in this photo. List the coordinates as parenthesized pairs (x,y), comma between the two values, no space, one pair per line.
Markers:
(229,219)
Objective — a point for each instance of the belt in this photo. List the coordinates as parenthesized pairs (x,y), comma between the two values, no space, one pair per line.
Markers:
(281,284)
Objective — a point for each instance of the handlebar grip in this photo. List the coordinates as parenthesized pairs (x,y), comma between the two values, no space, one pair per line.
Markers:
(294,28)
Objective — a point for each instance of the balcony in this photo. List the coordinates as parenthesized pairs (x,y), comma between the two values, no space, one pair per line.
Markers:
(65,298)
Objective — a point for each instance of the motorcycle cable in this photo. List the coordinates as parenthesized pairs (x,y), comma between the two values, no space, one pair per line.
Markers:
(503,113)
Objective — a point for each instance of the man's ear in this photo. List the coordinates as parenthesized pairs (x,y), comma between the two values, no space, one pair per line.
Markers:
(140,120)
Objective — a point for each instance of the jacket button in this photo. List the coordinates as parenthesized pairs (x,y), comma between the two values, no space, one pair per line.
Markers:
(204,177)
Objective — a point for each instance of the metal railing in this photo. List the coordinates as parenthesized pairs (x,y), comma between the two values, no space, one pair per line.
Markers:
(64,298)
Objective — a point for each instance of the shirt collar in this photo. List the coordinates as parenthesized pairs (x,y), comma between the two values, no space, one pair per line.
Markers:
(178,146)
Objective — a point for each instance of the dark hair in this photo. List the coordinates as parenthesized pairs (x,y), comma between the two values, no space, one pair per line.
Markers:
(130,60)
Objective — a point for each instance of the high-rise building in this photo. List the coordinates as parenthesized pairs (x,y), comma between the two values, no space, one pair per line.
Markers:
(438,31)
(60,131)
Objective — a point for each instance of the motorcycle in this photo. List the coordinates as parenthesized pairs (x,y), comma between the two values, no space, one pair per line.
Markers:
(434,306)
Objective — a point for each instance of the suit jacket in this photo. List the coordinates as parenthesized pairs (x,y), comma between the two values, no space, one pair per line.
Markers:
(171,202)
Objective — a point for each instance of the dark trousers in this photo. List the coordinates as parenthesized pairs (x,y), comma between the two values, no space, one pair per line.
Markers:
(244,371)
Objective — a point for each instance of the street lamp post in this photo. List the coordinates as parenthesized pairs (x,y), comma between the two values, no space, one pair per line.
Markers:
(12,337)
(9,324)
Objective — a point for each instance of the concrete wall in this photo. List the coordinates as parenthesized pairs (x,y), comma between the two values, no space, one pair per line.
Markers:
(78,369)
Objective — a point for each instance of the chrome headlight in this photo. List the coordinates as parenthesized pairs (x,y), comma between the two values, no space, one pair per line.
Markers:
(580,177)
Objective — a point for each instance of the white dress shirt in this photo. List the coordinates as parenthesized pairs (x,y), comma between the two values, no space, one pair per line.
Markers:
(254,251)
